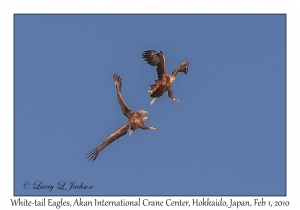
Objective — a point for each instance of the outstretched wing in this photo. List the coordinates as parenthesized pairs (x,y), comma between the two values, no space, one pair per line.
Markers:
(92,154)
(157,59)
(170,93)
(183,67)
(124,107)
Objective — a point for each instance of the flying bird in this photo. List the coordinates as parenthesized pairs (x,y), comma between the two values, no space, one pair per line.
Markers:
(164,81)
(134,122)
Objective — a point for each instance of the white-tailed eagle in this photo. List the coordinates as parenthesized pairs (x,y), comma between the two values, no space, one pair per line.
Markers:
(164,81)
(134,122)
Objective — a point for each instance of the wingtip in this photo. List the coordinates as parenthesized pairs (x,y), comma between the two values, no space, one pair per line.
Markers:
(115,76)
(117,80)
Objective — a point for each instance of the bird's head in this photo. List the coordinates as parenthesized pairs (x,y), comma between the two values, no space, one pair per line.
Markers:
(141,112)
(172,79)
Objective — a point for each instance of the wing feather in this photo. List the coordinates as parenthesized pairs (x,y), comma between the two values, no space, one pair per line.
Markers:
(157,59)
(183,67)
(124,107)
(92,154)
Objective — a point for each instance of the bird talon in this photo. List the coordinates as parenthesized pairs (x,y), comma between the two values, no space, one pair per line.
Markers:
(174,100)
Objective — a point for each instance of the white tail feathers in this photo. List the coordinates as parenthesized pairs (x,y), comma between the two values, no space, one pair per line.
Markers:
(153,100)
(130,132)
(118,81)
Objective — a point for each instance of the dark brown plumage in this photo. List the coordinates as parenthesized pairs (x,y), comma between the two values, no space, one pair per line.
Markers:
(164,81)
(134,122)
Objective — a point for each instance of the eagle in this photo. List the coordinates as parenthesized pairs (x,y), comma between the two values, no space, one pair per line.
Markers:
(164,81)
(134,122)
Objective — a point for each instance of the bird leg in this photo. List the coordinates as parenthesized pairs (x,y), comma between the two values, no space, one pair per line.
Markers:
(144,127)
(170,94)
(153,101)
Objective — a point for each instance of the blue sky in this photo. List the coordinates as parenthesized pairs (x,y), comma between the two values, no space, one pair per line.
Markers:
(226,136)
